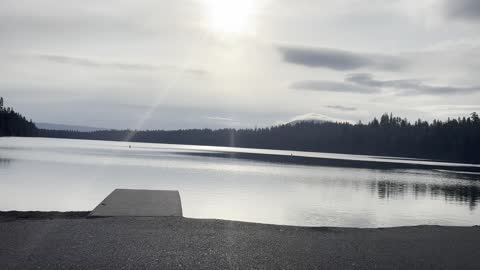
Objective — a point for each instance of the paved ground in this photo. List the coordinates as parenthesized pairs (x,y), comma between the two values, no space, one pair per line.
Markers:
(71,241)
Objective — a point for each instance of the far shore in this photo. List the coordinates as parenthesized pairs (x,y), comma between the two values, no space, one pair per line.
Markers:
(59,240)
(387,164)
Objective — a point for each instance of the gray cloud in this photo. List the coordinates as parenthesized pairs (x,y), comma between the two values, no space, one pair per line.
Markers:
(463,9)
(86,62)
(367,80)
(364,83)
(409,86)
(341,108)
(339,59)
(331,86)
(219,118)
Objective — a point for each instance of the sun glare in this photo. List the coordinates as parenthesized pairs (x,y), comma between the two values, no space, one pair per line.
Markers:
(230,16)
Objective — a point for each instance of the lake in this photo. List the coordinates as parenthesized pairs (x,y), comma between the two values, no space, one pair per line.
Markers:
(259,186)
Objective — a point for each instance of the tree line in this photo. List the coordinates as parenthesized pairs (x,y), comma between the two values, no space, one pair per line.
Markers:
(452,140)
(14,124)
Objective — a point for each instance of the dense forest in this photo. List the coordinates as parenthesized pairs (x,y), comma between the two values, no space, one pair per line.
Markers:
(451,140)
(14,124)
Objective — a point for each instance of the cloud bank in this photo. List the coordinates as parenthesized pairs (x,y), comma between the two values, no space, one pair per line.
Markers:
(410,86)
(332,86)
(87,62)
(364,83)
(341,108)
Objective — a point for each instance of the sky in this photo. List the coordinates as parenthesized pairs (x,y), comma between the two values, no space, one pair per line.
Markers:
(158,64)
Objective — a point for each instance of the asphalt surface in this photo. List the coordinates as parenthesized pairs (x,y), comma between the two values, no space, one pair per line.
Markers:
(72,241)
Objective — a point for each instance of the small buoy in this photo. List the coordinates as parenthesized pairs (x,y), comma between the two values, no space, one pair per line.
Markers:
(129,146)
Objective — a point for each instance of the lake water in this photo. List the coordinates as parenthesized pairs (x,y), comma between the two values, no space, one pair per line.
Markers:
(72,175)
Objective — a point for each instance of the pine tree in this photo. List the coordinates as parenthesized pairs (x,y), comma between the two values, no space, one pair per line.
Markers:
(475,117)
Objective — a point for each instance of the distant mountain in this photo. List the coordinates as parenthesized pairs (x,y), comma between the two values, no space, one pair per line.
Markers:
(310,118)
(51,126)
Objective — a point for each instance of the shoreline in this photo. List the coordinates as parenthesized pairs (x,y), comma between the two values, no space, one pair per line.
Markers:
(71,240)
(33,215)
(386,164)
(8,216)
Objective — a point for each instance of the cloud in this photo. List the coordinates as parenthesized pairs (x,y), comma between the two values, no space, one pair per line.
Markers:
(339,59)
(222,122)
(87,62)
(367,80)
(331,86)
(341,108)
(448,109)
(463,9)
(409,86)
(364,83)
(217,118)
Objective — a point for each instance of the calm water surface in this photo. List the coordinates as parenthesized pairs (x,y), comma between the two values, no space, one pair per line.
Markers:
(56,174)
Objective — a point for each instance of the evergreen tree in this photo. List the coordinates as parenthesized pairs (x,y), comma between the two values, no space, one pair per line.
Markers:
(14,124)
(475,118)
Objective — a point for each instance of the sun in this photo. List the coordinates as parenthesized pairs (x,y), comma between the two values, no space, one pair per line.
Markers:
(229,16)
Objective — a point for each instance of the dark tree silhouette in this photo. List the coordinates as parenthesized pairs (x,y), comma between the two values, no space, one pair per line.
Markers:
(475,118)
(14,124)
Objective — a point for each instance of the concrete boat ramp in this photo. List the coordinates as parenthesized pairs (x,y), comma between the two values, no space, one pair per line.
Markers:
(140,203)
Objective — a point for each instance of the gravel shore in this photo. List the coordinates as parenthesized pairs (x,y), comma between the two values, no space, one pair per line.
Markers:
(36,240)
